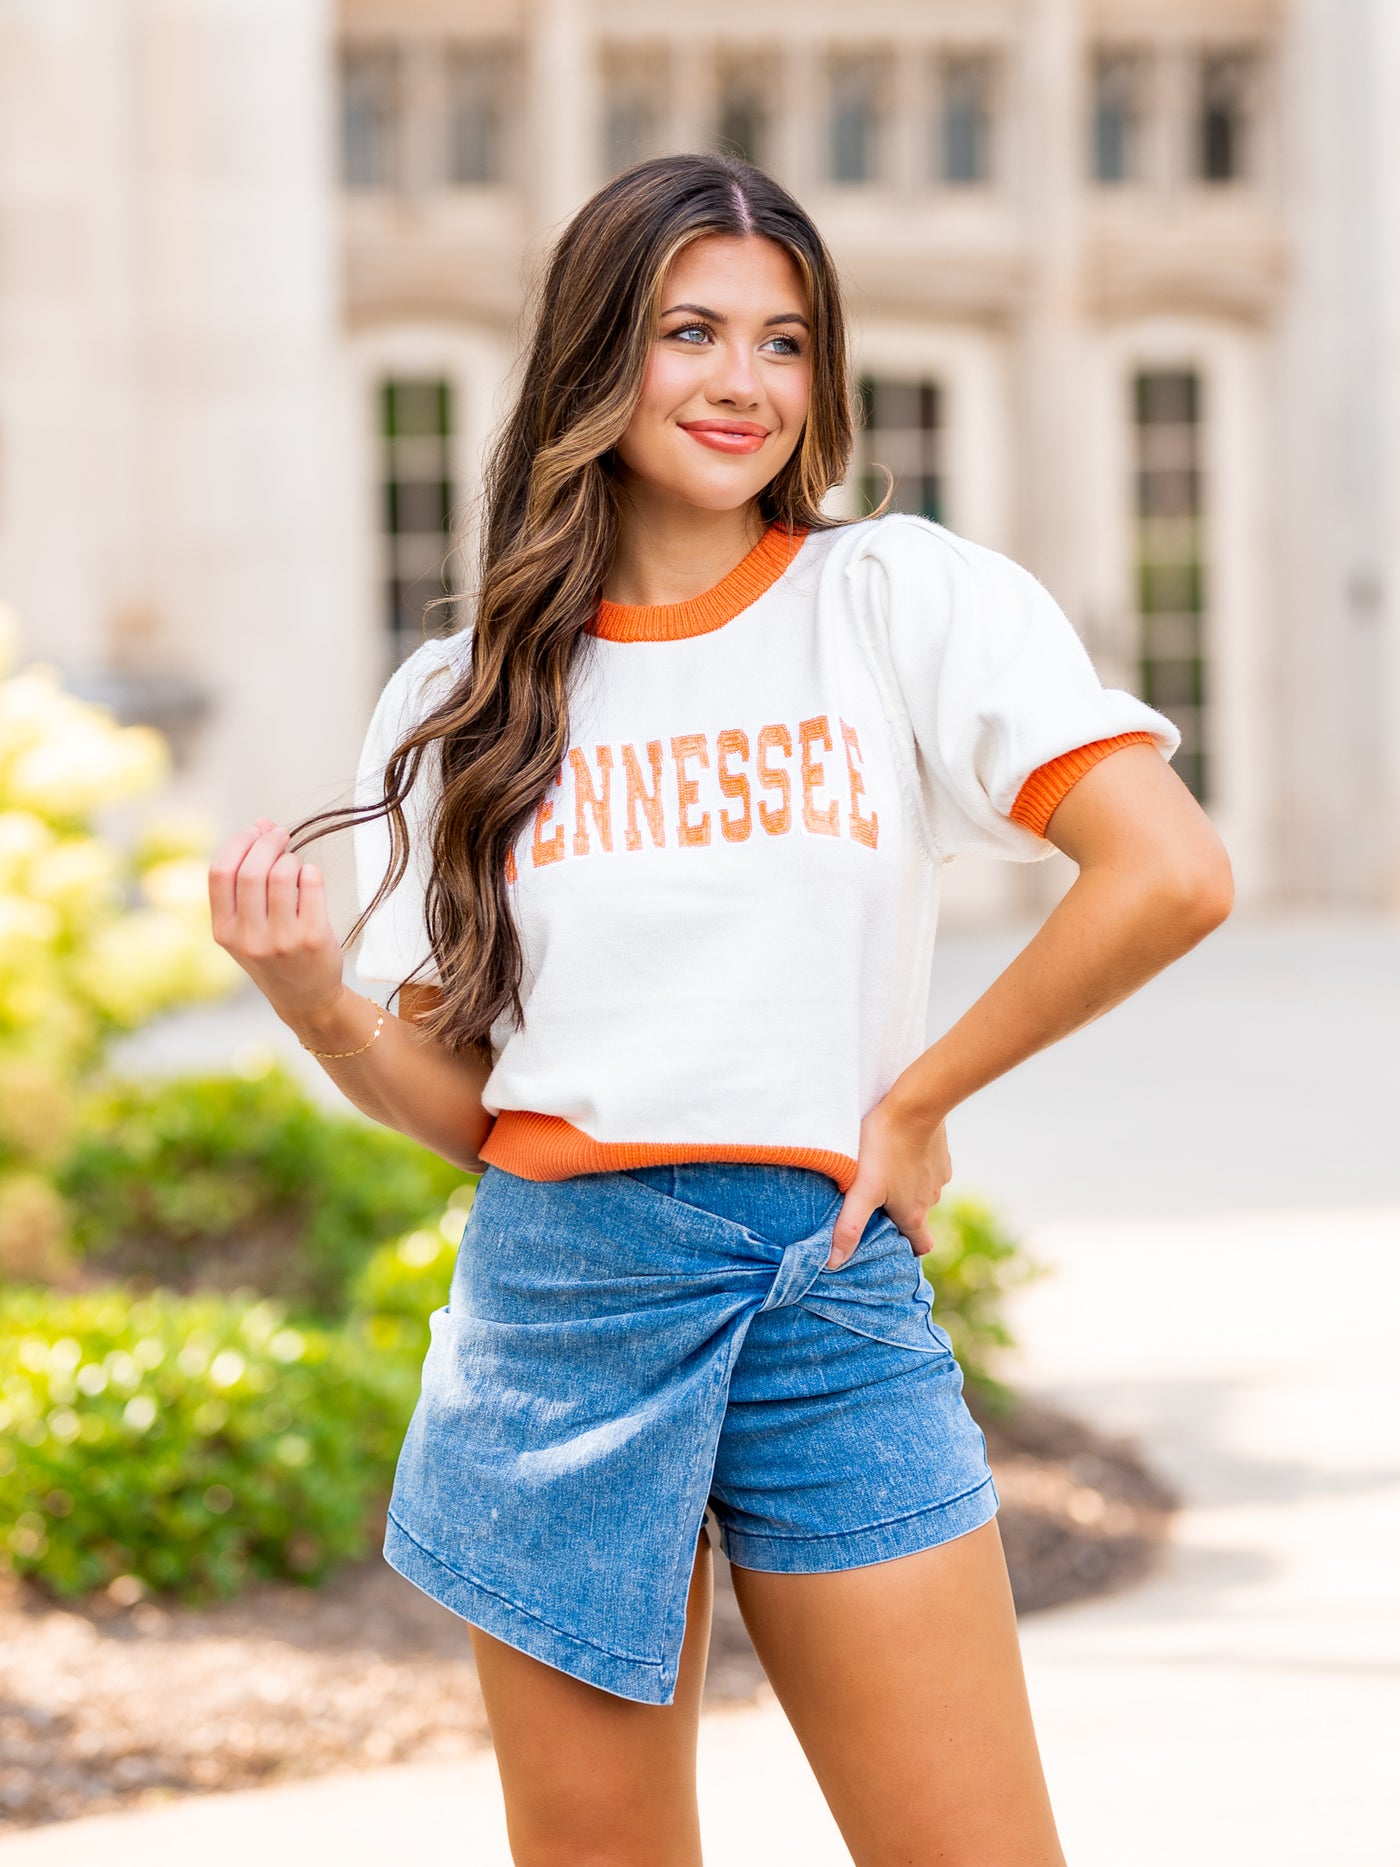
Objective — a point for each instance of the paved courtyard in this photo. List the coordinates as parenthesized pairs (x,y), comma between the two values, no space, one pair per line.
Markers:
(1213,1174)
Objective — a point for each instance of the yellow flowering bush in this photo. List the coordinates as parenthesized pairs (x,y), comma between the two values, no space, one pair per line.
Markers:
(94,940)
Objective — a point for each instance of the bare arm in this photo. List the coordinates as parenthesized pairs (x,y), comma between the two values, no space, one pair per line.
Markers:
(268,910)
(1153,880)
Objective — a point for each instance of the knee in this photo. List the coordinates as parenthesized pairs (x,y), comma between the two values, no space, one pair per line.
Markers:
(612,1821)
(621,1842)
(602,1829)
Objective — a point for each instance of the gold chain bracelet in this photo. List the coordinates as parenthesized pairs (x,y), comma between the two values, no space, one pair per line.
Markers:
(379,1025)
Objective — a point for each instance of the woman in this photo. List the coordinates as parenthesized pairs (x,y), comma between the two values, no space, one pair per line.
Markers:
(660,907)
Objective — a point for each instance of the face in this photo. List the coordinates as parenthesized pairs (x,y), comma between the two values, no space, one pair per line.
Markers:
(729,377)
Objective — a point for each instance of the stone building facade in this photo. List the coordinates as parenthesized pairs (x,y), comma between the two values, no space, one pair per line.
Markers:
(1124,278)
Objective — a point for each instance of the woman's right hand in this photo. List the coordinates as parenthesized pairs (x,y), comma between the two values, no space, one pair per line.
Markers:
(268,909)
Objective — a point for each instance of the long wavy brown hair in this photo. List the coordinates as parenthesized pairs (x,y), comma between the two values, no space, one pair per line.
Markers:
(550,506)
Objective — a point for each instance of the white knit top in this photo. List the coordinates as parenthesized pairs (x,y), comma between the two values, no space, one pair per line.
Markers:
(727,899)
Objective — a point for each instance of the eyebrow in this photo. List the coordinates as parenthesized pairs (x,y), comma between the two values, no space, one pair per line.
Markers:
(718,317)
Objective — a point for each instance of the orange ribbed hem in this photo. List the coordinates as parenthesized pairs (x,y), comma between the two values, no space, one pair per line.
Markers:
(1038,796)
(546,1147)
(670,622)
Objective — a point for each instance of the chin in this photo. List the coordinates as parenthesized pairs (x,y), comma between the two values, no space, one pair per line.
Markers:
(722,498)
(721,492)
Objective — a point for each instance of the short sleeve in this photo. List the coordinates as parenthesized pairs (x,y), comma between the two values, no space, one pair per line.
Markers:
(993,681)
(395,938)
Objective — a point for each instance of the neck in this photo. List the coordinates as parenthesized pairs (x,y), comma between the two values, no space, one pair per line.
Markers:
(668,551)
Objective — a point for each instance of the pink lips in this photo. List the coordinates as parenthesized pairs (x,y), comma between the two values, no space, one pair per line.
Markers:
(727,437)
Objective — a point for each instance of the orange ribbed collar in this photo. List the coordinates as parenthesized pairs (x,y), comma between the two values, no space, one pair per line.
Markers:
(669,622)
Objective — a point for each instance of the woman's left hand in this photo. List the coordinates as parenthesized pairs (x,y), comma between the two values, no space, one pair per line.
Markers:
(903,1166)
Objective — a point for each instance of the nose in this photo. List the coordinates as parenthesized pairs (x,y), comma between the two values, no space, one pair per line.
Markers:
(735,380)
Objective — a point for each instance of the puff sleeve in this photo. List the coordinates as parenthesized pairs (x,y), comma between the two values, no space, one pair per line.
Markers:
(993,683)
(395,938)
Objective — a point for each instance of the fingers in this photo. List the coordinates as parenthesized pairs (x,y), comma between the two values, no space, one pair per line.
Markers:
(313,890)
(251,888)
(283,875)
(855,1214)
(921,1240)
(263,899)
(224,871)
(851,1221)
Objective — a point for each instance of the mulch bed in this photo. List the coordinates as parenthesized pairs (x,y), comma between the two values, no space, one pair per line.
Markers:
(104,1705)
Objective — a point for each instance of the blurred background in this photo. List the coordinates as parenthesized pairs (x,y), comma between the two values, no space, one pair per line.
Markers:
(1126,297)
(1125,285)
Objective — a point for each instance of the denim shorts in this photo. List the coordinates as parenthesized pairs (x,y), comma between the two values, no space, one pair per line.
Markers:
(622,1350)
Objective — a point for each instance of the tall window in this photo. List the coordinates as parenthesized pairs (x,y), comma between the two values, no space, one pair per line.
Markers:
(369,117)
(1171,575)
(1120,82)
(900,428)
(856,100)
(1222,130)
(965,121)
(415,425)
(480,87)
(744,123)
(634,100)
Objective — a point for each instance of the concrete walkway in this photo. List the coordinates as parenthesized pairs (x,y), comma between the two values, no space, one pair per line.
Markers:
(1241,1707)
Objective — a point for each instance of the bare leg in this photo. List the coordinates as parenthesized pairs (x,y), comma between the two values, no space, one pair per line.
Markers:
(903,1682)
(590,1778)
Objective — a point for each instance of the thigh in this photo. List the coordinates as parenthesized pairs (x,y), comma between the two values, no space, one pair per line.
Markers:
(904,1684)
(587,1774)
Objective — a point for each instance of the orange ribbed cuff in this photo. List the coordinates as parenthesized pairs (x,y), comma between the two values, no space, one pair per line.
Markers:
(546,1147)
(1038,796)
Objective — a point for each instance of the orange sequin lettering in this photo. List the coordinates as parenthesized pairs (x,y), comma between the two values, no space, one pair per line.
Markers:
(549,849)
(779,820)
(734,784)
(586,798)
(684,746)
(512,874)
(637,794)
(863,829)
(823,822)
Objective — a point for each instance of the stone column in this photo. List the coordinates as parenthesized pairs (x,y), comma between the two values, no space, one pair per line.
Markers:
(799,130)
(1048,531)
(69,518)
(1339,829)
(694,94)
(1174,128)
(562,110)
(914,99)
(1381,596)
(423,112)
(243,510)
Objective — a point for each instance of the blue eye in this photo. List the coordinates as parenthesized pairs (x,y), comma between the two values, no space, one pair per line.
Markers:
(687,331)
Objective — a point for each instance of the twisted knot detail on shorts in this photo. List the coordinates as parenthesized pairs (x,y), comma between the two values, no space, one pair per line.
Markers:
(801,1265)
(622,1351)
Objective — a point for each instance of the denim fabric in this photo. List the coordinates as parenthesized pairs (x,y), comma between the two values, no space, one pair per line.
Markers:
(621,1350)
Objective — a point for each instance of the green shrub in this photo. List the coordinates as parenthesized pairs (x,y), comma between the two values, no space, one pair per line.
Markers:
(194,1443)
(220,1181)
(403,1283)
(395,1294)
(976,1262)
(190,1442)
